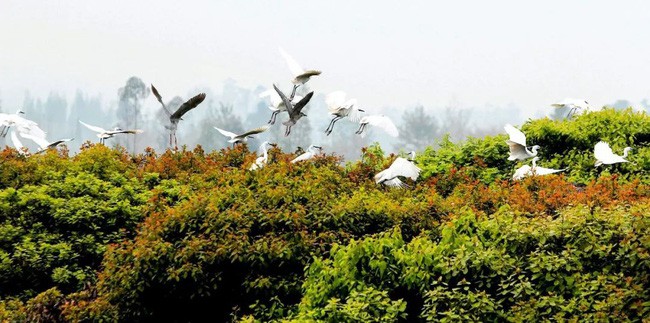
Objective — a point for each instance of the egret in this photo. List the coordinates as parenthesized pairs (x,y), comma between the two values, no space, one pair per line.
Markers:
(526,170)
(277,105)
(43,143)
(104,134)
(301,76)
(309,154)
(573,105)
(517,144)
(294,110)
(22,125)
(341,108)
(175,117)
(262,160)
(605,155)
(381,121)
(401,167)
(235,138)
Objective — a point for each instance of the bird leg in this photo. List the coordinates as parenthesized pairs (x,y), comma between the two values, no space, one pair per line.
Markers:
(329,129)
(273,116)
(293,92)
(288,131)
(361,128)
(4,131)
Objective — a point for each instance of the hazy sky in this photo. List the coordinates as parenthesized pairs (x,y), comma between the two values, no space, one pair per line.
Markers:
(384,53)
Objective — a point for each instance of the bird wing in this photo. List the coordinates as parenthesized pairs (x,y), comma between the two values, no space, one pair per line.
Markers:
(159,98)
(287,102)
(521,172)
(517,151)
(403,167)
(58,142)
(355,113)
(302,103)
(135,131)
(188,105)
(383,122)
(545,171)
(515,134)
(335,101)
(41,142)
(302,157)
(395,182)
(603,152)
(16,142)
(226,133)
(93,128)
(294,67)
(255,131)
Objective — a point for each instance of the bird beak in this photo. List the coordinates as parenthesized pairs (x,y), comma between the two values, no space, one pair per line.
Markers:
(362,110)
(274,145)
(319,147)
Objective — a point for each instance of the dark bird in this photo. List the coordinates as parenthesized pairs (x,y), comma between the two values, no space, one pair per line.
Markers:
(294,110)
(175,117)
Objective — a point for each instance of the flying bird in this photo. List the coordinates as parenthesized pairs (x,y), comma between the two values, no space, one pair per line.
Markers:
(175,117)
(573,105)
(104,134)
(262,160)
(17,144)
(340,108)
(517,144)
(605,155)
(277,105)
(401,167)
(380,121)
(43,143)
(309,154)
(21,124)
(294,110)
(526,170)
(301,76)
(235,138)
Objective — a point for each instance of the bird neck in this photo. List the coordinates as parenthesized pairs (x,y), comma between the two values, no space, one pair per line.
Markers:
(625,151)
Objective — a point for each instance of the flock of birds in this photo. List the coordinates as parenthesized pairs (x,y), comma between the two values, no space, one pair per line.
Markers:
(339,107)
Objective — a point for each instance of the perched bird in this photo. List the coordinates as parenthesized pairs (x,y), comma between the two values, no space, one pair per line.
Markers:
(517,144)
(309,154)
(573,105)
(277,105)
(235,138)
(262,160)
(301,76)
(401,167)
(21,124)
(43,143)
(526,170)
(381,121)
(605,155)
(340,108)
(104,134)
(294,110)
(175,117)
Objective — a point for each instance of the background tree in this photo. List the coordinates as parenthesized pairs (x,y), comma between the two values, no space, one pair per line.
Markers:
(128,110)
(418,129)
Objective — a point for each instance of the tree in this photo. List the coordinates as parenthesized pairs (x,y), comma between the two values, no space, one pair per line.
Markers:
(128,110)
(418,129)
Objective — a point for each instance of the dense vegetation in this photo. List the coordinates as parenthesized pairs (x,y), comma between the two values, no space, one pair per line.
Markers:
(104,236)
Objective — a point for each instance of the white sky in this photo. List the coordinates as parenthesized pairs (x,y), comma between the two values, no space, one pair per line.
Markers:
(384,53)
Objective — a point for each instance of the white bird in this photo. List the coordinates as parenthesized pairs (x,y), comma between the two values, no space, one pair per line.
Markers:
(43,143)
(22,125)
(235,138)
(574,105)
(381,121)
(309,154)
(262,160)
(277,104)
(340,108)
(517,144)
(400,167)
(301,76)
(17,144)
(104,134)
(176,117)
(605,155)
(526,170)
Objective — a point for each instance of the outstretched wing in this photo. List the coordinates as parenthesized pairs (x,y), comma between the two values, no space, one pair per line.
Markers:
(403,167)
(287,102)
(302,103)
(515,135)
(335,101)
(517,151)
(41,142)
(294,67)
(545,171)
(135,131)
(255,131)
(383,122)
(602,151)
(159,98)
(226,133)
(521,172)
(58,142)
(93,128)
(17,144)
(188,105)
